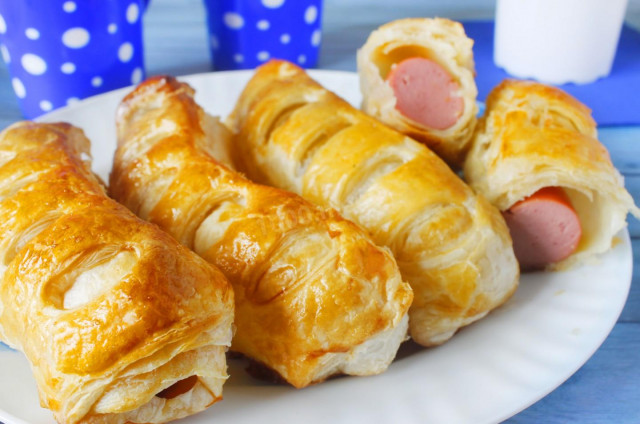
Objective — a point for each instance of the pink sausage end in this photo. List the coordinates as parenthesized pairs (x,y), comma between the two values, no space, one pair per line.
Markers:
(544,227)
(426,93)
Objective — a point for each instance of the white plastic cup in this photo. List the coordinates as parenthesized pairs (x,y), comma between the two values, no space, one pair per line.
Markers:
(558,41)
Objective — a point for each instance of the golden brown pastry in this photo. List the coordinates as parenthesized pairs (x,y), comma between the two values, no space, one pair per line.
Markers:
(119,322)
(451,245)
(314,296)
(417,76)
(532,139)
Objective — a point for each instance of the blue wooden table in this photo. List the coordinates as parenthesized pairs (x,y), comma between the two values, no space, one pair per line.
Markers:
(607,388)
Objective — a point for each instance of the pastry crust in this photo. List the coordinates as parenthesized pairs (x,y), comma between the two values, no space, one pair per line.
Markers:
(451,245)
(314,296)
(437,39)
(533,136)
(108,309)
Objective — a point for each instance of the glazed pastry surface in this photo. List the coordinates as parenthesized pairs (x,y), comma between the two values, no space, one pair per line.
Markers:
(108,309)
(314,296)
(533,136)
(452,246)
(440,40)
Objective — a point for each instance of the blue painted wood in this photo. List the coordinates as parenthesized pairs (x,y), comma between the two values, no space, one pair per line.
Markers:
(607,388)
(604,390)
(631,312)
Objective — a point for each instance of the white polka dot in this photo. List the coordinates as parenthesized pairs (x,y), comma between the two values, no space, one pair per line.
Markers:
(33,64)
(215,44)
(68,68)
(132,13)
(311,14)
(263,25)
(75,38)
(5,54)
(96,81)
(238,58)
(316,37)
(125,52)
(69,6)
(72,100)
(263,55)
(46,105)
(302,59)
(18,87)
(136,76)
(285,38)
(272,4)
(3,25)
(233,20)
(112,28)
(32,33)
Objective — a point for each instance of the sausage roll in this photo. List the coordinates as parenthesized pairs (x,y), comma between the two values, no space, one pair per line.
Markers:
(417,76)
(536,156)
(119,322)
(314,296)
(451,245)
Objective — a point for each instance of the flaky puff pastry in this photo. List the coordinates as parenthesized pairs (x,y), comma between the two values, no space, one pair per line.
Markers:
(451,245)
(109,310)
(441,40)
(314,296)
(533,136)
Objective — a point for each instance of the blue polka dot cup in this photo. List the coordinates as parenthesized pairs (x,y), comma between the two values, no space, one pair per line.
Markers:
(246,33)
(61,51)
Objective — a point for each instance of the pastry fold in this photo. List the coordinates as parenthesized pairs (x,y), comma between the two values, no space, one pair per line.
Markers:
(314,296)
(109,310)
(452,246)
(533,136)
(440,40)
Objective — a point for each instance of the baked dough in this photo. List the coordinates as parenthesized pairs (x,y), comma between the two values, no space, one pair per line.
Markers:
(452,246)
(437,39)
(314,296)
(109,310)
(533,136)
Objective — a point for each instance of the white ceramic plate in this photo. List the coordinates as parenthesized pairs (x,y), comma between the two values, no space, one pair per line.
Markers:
(486,373)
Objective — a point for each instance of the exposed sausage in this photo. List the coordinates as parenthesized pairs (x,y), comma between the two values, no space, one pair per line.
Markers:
(178,388)
(426,93)
(544,227)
